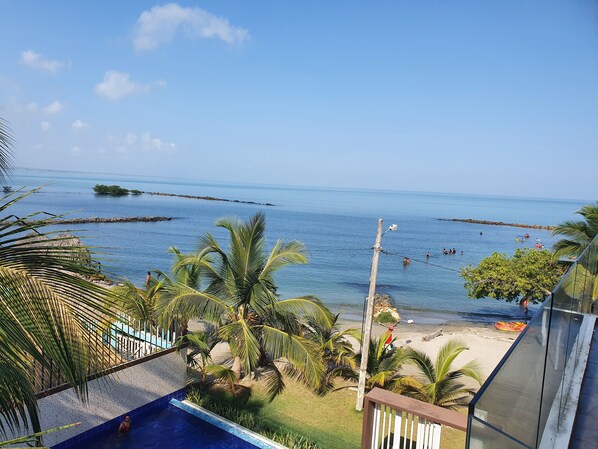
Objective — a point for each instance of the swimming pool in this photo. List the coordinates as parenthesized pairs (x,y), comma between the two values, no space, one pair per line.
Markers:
(168,427)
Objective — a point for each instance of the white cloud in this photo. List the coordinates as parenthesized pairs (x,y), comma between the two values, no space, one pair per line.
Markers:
(145,142)
(75,150)
(53,108)
(79,124)
(130,139)
(37,61)
(149,143)
(159,25)
(32,107)
(46,126)
(117,85)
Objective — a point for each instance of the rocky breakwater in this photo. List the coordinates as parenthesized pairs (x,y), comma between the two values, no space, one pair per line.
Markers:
(149,219)
(498,223)
(207,198)
(385,311)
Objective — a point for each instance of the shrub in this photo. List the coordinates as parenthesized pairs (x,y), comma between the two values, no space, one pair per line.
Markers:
(102,189)
(136,192)
(385,318)
(248,420)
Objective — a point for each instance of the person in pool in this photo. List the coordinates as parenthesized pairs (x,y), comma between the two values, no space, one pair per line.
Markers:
(125,426)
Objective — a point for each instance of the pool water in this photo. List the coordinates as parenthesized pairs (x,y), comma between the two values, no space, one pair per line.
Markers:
(171,428)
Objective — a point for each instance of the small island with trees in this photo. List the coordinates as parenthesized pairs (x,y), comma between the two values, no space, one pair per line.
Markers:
(102,189)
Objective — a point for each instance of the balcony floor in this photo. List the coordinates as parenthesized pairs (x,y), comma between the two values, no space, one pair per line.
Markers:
(585,430)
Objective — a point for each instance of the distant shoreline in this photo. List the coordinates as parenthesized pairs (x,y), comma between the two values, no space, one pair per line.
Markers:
(498,223)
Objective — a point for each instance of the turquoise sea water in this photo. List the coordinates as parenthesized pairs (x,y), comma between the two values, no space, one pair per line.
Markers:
(338,227)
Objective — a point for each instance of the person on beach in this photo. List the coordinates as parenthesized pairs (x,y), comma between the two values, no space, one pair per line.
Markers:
(388,343)
(125,426)
(148,278)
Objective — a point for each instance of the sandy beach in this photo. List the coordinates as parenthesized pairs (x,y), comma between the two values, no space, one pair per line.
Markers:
(486,344)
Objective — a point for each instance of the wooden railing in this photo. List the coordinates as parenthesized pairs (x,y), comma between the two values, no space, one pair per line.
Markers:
(392,421)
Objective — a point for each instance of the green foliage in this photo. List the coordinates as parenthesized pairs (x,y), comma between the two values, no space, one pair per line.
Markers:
(437,382)
(239,298)
(385,318)
(136,192)
(33,439)
(578,234)
(114,190)
(528,274)
(249,420)
(336,351)
(290,440)
(47,309)
(384,366)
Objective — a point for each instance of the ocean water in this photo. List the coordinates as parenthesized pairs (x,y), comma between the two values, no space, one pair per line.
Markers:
(338,226)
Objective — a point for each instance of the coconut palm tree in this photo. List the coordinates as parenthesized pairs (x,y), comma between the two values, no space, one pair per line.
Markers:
(240,298)
(578,234)
(336,350)
(384,366)
(437,382)
(48,309)
(140,304)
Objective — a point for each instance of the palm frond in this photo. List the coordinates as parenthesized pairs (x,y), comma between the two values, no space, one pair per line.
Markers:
(282,255)
(300,352)
(447,355)
(188,302)
(308,307)
(243,343)
(274,381)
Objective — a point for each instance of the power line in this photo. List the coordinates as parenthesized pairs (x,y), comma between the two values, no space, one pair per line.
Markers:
(426,262)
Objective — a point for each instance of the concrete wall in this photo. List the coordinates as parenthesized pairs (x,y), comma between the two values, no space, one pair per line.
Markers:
(113,396)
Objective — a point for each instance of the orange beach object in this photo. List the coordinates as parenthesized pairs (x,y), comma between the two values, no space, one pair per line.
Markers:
(512,326)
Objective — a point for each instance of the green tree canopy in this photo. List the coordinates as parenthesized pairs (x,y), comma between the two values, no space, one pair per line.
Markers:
(527,275)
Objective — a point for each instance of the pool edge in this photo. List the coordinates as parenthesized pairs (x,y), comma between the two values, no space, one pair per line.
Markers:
(233,428)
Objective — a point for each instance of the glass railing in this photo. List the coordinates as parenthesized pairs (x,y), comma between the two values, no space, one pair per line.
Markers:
(530,385)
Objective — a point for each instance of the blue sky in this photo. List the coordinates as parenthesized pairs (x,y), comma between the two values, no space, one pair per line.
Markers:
(461,96)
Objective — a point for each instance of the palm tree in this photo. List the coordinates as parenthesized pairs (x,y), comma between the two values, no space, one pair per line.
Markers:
(240,298)
(48,309)
(437,382)
(384,366)
(140,304)
(578,234)
(336,350)
(199,346)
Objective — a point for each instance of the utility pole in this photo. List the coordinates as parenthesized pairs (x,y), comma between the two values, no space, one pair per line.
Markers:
(367,326)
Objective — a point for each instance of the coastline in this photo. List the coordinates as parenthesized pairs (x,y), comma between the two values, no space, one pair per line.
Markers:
(487,345)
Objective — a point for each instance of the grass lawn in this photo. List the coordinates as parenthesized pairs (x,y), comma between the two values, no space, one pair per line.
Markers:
(330,420)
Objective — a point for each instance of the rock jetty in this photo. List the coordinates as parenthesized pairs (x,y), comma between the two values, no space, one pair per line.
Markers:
(383,304)
(109,220)
(497,223)
(208,198)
